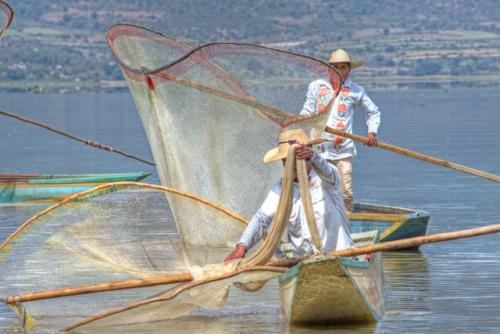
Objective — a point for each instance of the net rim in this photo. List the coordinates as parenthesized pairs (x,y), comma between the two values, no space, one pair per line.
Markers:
(240,95)
(5,244)
(9,13)
(117,30)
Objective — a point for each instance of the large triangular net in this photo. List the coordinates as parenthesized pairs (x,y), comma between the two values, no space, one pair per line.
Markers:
(6,16)
(210,114)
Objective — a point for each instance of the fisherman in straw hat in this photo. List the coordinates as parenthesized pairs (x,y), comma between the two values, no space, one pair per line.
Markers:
(339,151)
(328,205)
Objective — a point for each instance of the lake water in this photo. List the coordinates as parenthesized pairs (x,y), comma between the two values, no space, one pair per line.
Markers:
(447,288)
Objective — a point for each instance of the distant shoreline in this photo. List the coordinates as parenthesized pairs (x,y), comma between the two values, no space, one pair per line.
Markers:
(371,83)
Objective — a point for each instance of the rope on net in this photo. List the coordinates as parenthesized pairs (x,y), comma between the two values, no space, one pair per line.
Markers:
(282,216)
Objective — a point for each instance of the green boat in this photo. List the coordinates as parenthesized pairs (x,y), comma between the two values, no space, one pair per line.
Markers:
(51,188)
(393,223)
(334,290)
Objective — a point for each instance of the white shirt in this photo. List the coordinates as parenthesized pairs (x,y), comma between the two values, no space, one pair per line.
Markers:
(342,114)
(329,213)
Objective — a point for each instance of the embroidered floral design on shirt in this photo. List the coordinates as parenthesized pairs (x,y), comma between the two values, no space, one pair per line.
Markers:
(343,102)
(338,139)
(325,94)
(342,109)
(344,91)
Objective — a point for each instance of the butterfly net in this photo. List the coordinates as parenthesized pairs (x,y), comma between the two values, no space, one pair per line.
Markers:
(209,113)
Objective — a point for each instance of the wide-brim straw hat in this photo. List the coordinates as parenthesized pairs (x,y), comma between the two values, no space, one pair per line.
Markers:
(342,56)
(286,139)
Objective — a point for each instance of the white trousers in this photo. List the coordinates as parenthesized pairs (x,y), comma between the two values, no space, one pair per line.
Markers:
(344,167)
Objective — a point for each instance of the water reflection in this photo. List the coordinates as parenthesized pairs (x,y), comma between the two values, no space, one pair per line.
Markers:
(358,329)
(12,215)
(406,286)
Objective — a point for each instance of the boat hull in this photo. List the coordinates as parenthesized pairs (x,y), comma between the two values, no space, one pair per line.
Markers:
(393,223)
(51,188)
(333,290)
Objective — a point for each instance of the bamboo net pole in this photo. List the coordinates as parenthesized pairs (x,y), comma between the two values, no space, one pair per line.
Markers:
(101,287)
(417,241)
(417,155)
(68,135)
(172,294)
(186,276)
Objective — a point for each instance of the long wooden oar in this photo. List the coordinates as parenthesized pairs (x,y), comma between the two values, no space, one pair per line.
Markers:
(186,276)
(416,155)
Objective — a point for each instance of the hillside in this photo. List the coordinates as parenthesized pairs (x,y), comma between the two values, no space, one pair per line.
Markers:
(60,45)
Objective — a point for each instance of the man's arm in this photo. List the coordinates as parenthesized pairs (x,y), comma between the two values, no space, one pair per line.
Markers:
(256,228)
(309,107)
(325,170)
(372,117)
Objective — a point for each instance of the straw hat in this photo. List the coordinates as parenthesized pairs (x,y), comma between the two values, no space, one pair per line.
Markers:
(342,56)
(287,138)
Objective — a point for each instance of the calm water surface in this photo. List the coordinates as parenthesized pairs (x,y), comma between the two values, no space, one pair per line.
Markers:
(446,288)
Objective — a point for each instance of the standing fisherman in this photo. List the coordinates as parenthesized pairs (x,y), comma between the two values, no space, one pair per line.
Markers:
(339,151)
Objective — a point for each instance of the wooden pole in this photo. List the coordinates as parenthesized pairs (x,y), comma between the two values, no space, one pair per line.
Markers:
(172,293)
(417,155)
(102,287)
(186,276)
(280,116)
(69,135)
(417,241)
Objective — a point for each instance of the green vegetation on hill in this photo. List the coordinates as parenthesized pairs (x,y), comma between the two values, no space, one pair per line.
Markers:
(60,44)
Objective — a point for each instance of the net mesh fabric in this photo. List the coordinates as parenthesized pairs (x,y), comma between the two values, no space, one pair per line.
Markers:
(125,234)
(212,113)
(210,284)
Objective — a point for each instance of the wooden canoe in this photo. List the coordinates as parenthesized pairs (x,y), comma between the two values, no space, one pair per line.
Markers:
(51,188)
(393,223)
(334,290)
